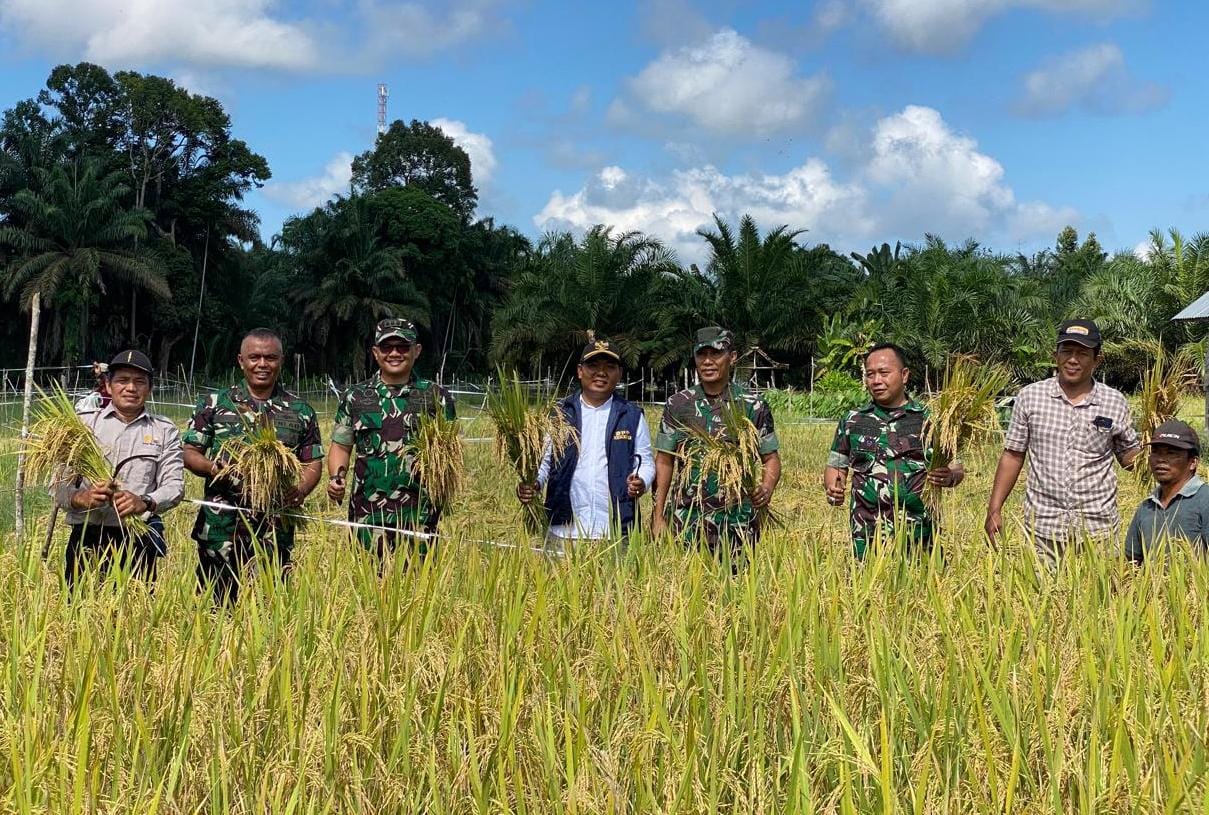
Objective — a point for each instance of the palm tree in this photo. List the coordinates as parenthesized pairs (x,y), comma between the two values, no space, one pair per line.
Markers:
(77,240)
(566,289)
(357,282)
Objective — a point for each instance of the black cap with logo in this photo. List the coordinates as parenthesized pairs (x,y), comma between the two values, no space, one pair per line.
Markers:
(599,348)
(1177,434)
(131,359)
(1084,332)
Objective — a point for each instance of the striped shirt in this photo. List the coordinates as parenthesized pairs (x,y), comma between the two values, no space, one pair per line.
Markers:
(1071,485)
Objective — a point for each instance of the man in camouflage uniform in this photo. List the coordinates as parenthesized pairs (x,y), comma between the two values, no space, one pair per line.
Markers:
(378,419)
(701,512)
(882,444)
(228,539)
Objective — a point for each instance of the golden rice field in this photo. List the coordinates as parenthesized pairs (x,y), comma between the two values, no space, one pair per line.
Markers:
(494,680)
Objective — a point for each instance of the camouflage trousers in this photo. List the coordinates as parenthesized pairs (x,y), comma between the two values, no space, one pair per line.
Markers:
(384,530)
(720,531)
(869,531)
(257,541)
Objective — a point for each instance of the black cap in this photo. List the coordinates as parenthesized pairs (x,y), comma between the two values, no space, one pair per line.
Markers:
(132,359)
(1177,434)
(599,348)
(1084,332)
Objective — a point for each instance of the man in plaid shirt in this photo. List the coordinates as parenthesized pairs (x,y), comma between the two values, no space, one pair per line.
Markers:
(1070,428)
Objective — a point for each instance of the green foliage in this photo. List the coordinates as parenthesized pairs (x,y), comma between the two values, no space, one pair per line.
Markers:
(418,155)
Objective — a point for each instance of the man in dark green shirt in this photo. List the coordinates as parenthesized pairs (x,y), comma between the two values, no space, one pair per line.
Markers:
(1179,506)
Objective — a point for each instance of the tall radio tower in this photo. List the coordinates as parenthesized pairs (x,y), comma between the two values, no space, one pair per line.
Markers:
(383,93)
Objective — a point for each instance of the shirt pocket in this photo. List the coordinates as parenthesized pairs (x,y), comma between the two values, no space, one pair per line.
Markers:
(865,453)
(367,430)
(1092,439)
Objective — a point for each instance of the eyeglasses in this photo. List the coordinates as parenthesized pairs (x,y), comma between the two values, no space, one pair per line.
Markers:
(392,347)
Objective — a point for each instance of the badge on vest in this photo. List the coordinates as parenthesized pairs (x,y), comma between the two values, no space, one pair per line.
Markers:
(623,435)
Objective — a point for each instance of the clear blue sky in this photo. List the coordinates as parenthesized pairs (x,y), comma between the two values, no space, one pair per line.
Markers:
(858,120)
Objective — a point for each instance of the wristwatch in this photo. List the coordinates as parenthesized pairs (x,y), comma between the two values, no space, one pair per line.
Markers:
(150,502)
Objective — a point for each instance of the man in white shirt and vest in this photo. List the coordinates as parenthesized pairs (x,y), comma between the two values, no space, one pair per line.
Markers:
(593,489)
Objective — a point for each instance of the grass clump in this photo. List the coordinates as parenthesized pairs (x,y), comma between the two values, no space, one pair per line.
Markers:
(61,447)
(267,470)
(523,429)
(438,452)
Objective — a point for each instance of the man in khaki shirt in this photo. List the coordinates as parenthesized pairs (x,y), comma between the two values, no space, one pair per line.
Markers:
(145,450)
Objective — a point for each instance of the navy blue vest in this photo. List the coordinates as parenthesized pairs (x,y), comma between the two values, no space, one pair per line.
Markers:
(620,435)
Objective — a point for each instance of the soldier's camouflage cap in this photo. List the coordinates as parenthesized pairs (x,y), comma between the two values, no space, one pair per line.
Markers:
(394,327)
(714,337)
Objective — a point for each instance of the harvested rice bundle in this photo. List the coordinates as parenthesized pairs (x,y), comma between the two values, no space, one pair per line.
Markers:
(522,431)
(726,465)
(262,464)
(60,447)
(962,411)
(439,464)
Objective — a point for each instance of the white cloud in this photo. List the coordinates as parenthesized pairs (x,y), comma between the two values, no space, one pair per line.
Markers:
(354,34)
(478,146)
(313,192)
(943,26)
(1094,79)
(918,176)
(239,33)
(934,179)
(416,29)
(727,85)
(675,208)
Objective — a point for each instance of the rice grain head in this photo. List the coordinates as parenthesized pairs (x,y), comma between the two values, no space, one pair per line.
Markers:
(267,468)
(726,464)
(962,412)
(61,447)
(523,428)
(438,453)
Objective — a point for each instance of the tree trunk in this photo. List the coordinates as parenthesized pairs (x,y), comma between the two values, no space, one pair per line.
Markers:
(35,314)
(201,296)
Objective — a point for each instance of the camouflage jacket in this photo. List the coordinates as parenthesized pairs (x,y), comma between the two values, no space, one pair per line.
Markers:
(220,417)
(885,451)
(378,420)
(693,408)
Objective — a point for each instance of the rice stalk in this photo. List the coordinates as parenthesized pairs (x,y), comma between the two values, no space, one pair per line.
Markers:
(523,429)
(961,412)
(725,464)
(437,451)
(1162,386)
(266,469)
(60,447)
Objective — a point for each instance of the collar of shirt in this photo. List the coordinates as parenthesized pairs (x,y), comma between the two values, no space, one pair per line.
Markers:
(910,406)
(585,405)
(1055,390)
(1190,488)
(386,389)
(728,392)
(242,394)
(109,410)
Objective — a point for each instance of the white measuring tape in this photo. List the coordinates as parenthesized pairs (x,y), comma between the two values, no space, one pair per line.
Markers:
(423,536)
